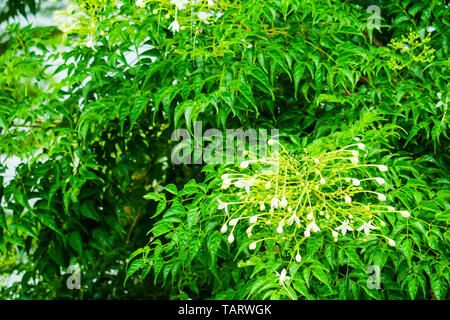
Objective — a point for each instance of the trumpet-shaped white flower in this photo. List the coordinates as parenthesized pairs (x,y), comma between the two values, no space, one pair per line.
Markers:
(283,277)
(242,183)
(283,202)
(344,227)
(367,226)
(275,203)
(222,205)
(180,4)
(174,26)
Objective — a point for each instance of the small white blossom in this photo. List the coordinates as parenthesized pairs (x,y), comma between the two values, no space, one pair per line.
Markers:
(280,229)
(292,219)
(252,246)
(382,168)
(244,164)
(391,242)
(298,257)
(233,222)
(357,139)
(262,207)
(344,227)
(140,3)
(242,183)
(405,214)
(381,197)
(322,181)
(226,183)
(380,181)
(222,205)
(431,29)
(312,226)
(253,219)
(391,208)
(274,203)
(361,146)
(283,202)
(367,227)
(283,277)
(174,26)
(356,182)
(334,234)
(355,153)
(224,228)
(316,161)
(204,16)
(310,216)
(354,160)
(180,4)
(348,199)
(230,238)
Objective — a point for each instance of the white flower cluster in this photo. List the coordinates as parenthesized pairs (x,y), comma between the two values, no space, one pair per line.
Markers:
(305,195)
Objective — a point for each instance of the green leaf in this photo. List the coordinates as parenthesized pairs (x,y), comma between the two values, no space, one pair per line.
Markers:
(413,286)
(139,105)
(76,242)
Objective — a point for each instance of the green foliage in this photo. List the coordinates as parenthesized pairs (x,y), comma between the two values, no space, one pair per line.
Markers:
(91,113)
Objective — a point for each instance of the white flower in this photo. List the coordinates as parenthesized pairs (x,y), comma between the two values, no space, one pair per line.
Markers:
(380,181)
(271,142)
(249,231)
(233,222)
(355,153)
(210,3)
(361,146)
(174,26)
(322,181)
(292,219)
(140,3)
(218,15)
(307,233)
(405,214)
(244,164)
(274,203)
(252,246)
(262,207)
(367,227)
(312,226)
(344,227)
(224,228)
(391,242)
(282,276)
(181,4)
(230,238)
(381,197)
(202,15)
(348,199)
(283,202)
(280,229)
(298,257)
(316,161)
(226,183)
(242,183)
(267,186)
(431,29)
(354,160)
(382,223)
(222,205)
(356,182)
(310,216)
(253,219)
(357,139)
(391,208)
(382,168)
(334,234)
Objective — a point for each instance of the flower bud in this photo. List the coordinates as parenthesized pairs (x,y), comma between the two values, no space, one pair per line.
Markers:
(380,181)
(381,197)
(252,246)
(280,229)
(253,219)
(224,228)
(230,238)
(244,164)
(348,199)
(382,168)
(298,257)
(391,242)
(405,214)
(233,222)
(356,182)
(322,181)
